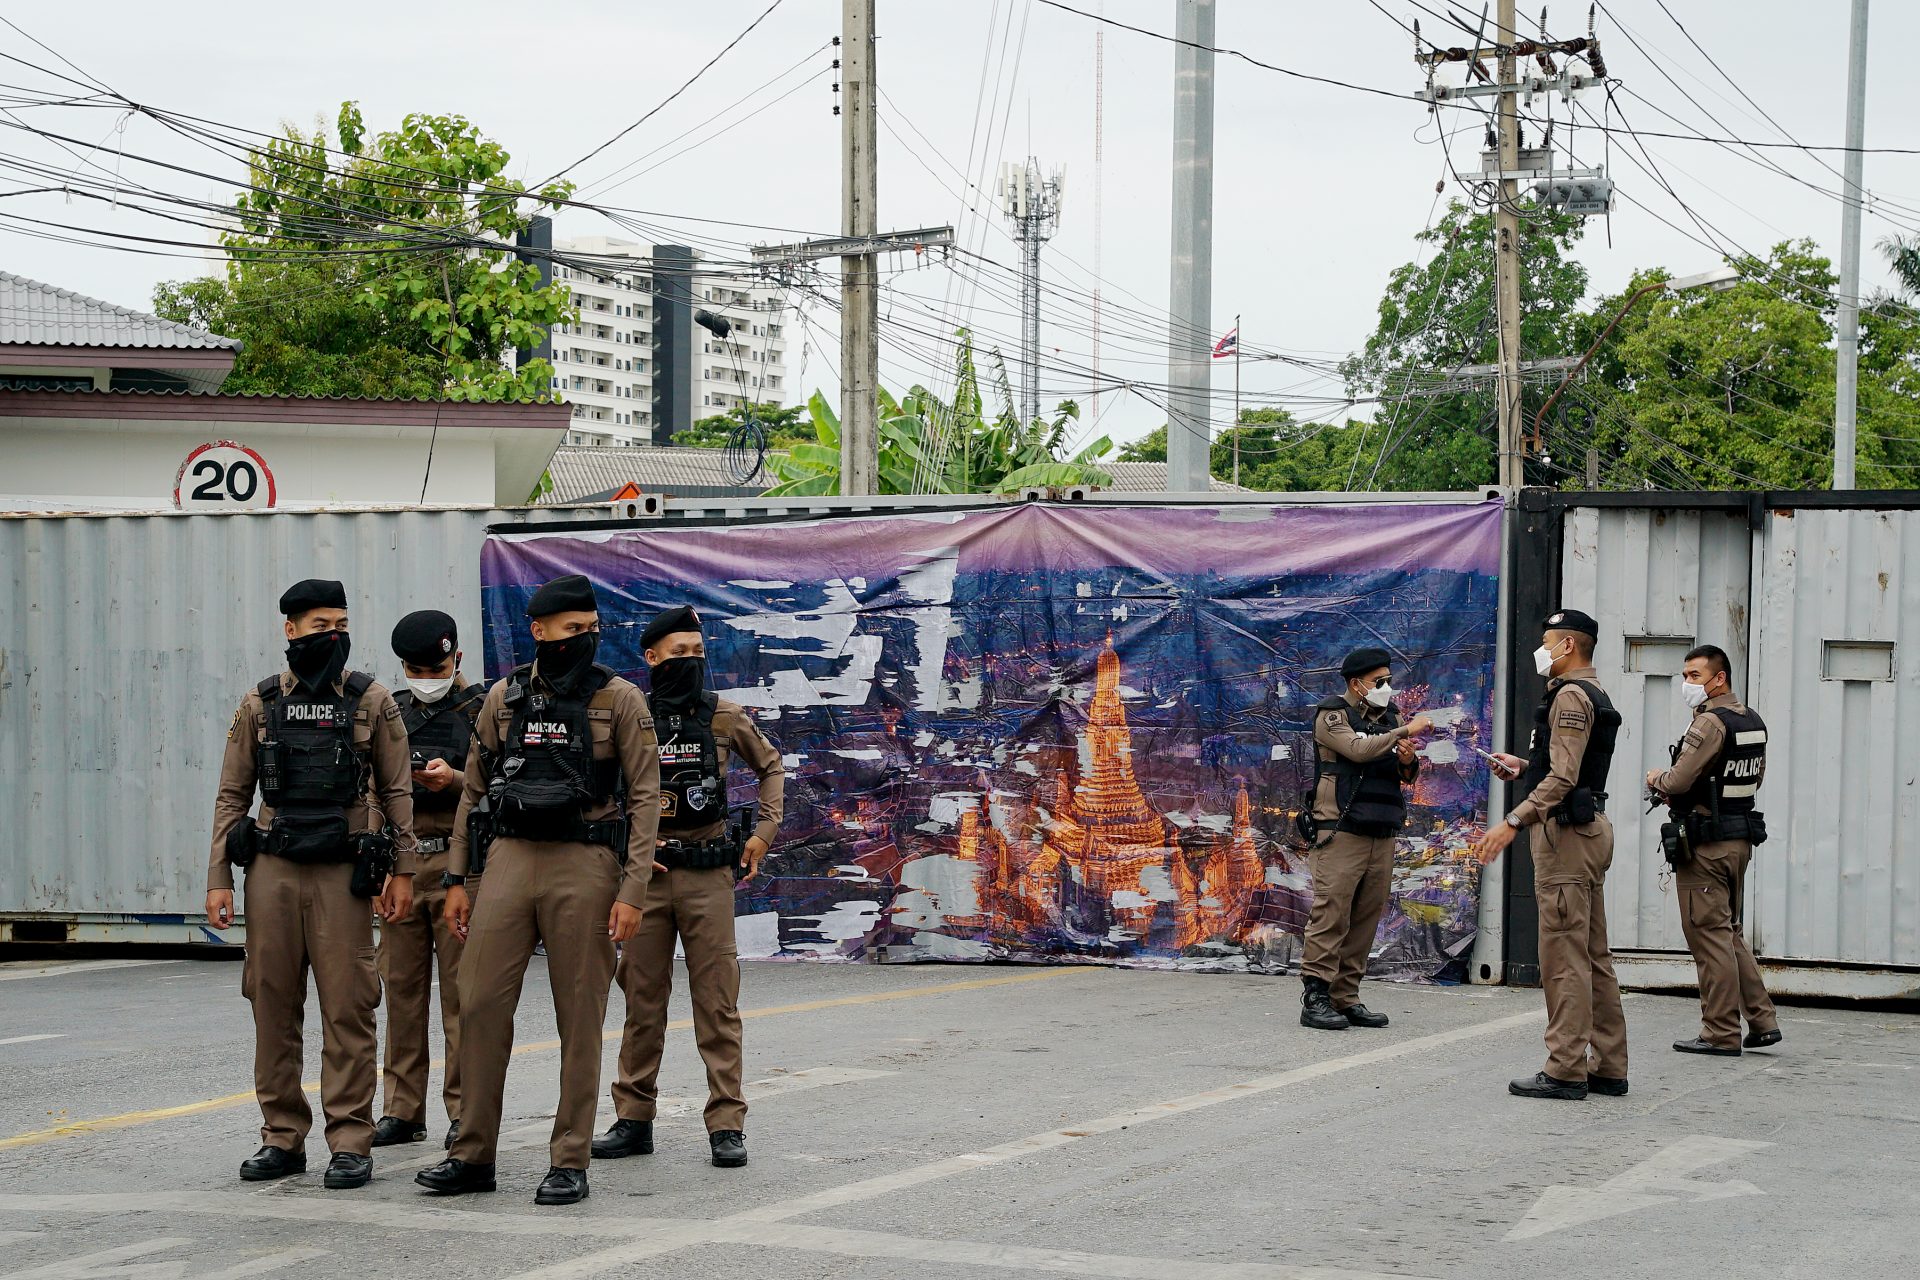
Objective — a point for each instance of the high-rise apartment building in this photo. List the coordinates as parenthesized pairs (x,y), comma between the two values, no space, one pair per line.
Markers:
(637,367)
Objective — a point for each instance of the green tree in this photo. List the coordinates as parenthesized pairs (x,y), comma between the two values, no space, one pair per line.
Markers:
(385,270)
(1151,447)
(785,426)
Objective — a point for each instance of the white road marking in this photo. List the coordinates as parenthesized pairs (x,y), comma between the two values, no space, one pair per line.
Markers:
(110,1264)
(756,1091)
(1661,1179)
(418,1213)
(14,971)
(10,1237)
(874,1244)
(30,1039)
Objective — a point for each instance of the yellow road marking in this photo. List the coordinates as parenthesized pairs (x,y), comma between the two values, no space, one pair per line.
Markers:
(132,1119)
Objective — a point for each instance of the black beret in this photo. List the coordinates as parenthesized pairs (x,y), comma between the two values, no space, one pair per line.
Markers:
(1573,620)
(425,639)
(681,618)
(314,593)
(1361,661)
(571,594)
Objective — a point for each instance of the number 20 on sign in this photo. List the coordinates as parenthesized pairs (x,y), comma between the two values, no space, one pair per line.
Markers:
(223,476)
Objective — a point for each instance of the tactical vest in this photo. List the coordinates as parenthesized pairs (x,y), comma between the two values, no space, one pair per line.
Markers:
(1727,788)
(546,778)
(308,768)
(1369,795)
(692,792)
(1594,764)
(437,735)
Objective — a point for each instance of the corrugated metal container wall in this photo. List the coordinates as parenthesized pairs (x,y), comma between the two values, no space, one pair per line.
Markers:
(1835,659)
(1659,582)
(125,645)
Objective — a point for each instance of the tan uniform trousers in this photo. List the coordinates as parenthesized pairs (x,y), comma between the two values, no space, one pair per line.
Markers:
(1712,888)
(410,949)
(559,894)
(1352,875)
(1576,966)
(302,916)
(697,906)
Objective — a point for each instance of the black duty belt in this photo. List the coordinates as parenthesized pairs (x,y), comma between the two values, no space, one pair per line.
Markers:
(696,857)
(433,844)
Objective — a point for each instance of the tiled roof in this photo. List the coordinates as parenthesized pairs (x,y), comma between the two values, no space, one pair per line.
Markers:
(35,314)
(1149,477)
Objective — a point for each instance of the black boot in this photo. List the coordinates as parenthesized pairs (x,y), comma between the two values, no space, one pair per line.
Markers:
(455,1177)
(1542,1085)
(347,1171)
(624,1138)
(1698,1045)
(453,1131)
(1316,1007)
(1361,1016)
(269,1163)
(1607,1086)
(392,1130)
(729,1148)
(1761,1039)
(562,1186)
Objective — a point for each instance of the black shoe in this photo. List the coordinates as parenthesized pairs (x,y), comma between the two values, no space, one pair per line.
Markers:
(269,1163)
(729,1148)
(347,1171)
(1607,1086)
(453,1131)
(562,1186)
(1359,1015)
(1761,1039)
(455,1177)
(1697,1045)
(392,1131)
(1316,1007)
(624,1138)
(1542,1085)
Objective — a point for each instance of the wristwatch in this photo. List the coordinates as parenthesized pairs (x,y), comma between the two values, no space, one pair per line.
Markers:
(1513,821)
(448,879)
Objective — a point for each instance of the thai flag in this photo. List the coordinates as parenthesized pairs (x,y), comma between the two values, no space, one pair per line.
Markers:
(1227,346)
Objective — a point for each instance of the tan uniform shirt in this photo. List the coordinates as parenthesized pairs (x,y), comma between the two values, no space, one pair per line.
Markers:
(435,824)
(1706,738)
(622,728)
(1569,725)
(1334,735)
(735,734)
(377,735)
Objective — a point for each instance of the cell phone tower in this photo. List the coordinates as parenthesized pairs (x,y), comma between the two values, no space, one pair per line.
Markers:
(1032,205)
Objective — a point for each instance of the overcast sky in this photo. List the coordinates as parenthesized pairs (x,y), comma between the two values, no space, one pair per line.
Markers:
(1319,190)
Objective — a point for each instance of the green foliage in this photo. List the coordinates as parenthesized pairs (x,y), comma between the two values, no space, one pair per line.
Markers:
(387,271)
(785,426)
(933,446)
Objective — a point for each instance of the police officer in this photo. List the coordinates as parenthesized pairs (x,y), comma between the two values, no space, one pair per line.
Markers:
(570,764)
(327,752)
(1717,770)
(1564,787)
(1363,755)
(437,708)
(691,897)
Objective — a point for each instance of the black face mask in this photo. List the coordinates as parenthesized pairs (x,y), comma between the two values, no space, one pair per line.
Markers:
(317,659)
(563,662)
(679,682)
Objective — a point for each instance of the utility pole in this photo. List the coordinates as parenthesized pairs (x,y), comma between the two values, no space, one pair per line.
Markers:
(1506,244)
(1190,294)
(859,272)
(1236,401)
(1847,372)
(1033,206)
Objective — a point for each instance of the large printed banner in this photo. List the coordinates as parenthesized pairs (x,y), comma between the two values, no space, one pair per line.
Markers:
(1063,733)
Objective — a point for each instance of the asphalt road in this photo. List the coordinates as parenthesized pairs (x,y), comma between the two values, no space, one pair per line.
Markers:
(975,1122)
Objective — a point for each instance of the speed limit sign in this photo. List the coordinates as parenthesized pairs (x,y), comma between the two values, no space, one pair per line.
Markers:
(223,476)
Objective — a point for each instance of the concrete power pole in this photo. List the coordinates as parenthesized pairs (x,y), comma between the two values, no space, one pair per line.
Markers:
(1847,371)
(1190,295)
(859,188)
(1506,244)
(1033,206)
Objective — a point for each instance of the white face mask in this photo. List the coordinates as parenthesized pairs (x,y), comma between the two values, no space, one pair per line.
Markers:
(429,690)
(1380,695)
(1692,694)
(1543,660)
